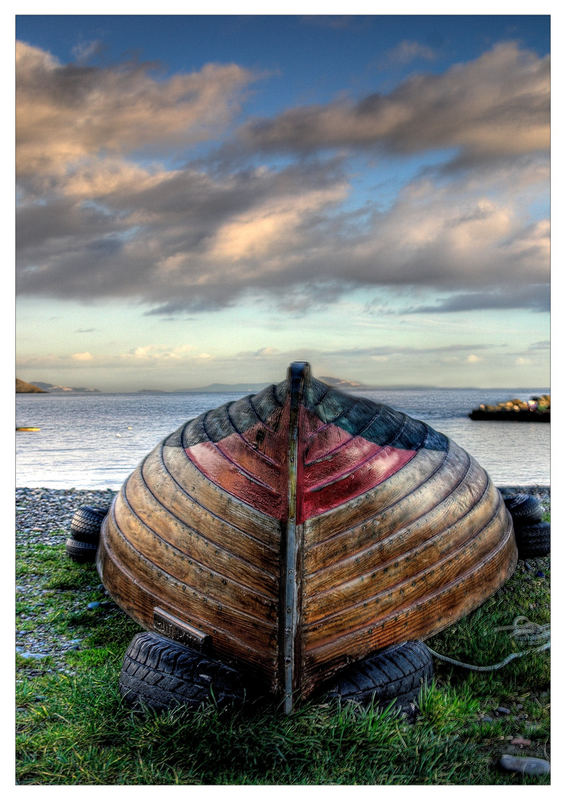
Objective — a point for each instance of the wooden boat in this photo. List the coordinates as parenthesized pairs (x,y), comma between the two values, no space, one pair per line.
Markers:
(299,529)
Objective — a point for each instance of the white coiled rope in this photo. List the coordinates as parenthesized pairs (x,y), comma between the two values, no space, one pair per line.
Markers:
(523,631)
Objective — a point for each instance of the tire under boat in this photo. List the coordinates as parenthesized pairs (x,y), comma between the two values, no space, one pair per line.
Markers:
(299,529)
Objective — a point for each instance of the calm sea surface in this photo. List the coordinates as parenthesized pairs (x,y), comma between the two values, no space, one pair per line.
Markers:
(95,441)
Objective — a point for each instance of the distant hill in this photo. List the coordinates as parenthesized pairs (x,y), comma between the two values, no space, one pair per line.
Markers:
(336,383)
(24,387)
(54,388)
(340,383)
(212,388)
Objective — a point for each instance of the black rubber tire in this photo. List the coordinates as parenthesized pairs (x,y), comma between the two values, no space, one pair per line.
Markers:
(161,674)
(533,541)
(86,523)
(525,509)
(82,552)
(395,673)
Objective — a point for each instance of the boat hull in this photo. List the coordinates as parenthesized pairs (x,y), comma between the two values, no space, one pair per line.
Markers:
(299,529)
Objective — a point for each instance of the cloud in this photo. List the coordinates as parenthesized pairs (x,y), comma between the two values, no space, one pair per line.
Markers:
(177,239)
(407,51)
(535,297)
(93,225)
(68,112)
(473,359)
(152,352)
(183,240)
(150,355)
(385,350)
(494,106)
(84,51)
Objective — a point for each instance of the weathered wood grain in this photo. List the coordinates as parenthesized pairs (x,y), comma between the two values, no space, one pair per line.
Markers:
(430,614)
(252,531)
(407,551)
(349,527)
(139,600)
(213,541)
(195,573)
(402,582)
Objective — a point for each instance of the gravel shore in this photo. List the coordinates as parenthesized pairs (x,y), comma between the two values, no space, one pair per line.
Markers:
(44,515)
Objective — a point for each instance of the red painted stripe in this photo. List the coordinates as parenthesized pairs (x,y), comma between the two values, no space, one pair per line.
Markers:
(350,456)
(230,477)
(333,467)
(234,448)
(354,466)
(252,466)
(386,463)
(325,442)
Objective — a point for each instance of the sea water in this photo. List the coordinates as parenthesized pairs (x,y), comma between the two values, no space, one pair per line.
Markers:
(94,441)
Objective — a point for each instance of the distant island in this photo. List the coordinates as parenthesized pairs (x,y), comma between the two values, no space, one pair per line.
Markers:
(336,383)
(40,387)
(219,388)
(22,387)
(53,388)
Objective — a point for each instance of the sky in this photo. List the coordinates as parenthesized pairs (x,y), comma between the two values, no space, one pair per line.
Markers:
(207,198)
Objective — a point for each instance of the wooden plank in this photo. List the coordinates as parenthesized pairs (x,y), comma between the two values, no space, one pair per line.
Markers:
(192,568)
(139,600)
(192,496)
(399,500)
(324,442)
(245,452)
(430,615)
(336,521)
(346,460)
(403,584)
(407,524)
(406,552)
(377,468)
(267,406)
(268,439)
(217,542)
(170,465)
(212,460)
(211,616)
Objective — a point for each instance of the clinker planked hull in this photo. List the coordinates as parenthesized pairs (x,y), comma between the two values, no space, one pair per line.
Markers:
(301,528)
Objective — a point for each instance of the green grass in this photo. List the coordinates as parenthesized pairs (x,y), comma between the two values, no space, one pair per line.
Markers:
(72,727)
